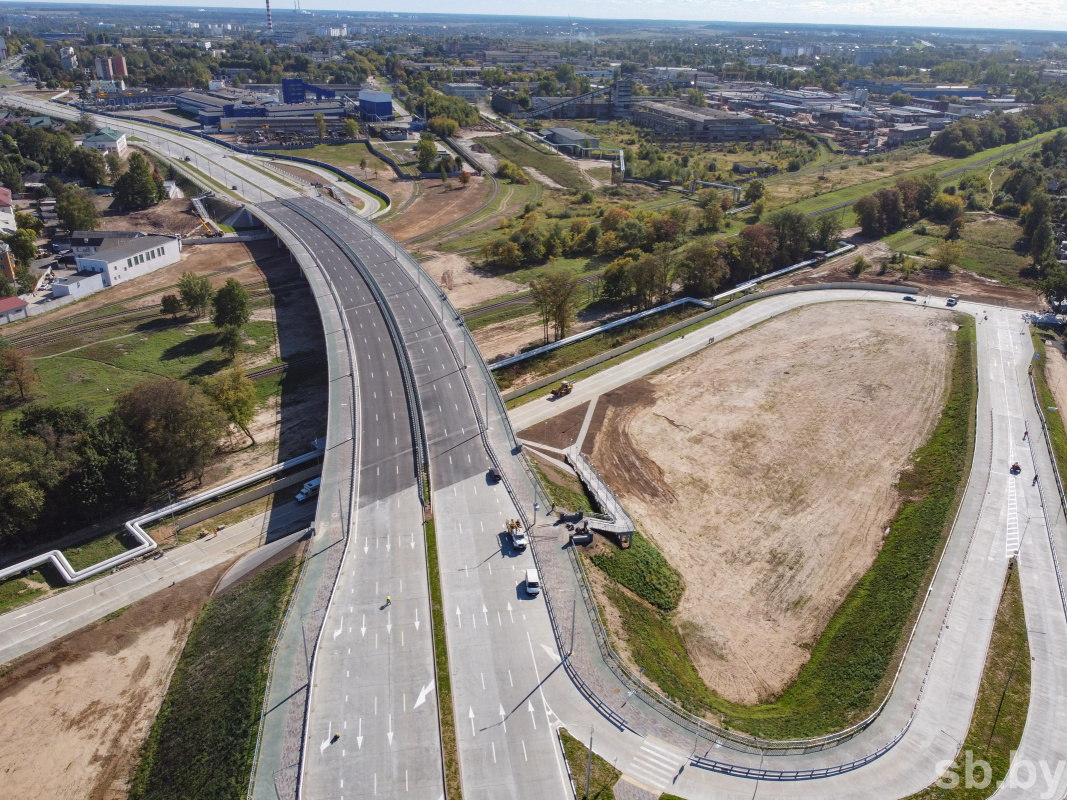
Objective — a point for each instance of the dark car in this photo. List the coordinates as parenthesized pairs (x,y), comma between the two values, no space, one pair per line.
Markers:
(494,475)
(909,298)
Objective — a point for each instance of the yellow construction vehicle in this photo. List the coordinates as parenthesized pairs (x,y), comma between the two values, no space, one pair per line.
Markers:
(564,389)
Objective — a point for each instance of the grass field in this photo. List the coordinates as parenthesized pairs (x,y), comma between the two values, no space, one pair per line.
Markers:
(556,167)
(201,745)
(851,662)
(104,547)
(602,777)
(988,248)
(644,571)
(94,375)
(346,156)
(1001,706)
(563,496)
(16,592)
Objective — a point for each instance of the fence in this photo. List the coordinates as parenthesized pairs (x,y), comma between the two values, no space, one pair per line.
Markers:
(246,497)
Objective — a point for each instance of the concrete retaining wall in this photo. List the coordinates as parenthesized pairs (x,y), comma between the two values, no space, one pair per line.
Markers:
(685,323)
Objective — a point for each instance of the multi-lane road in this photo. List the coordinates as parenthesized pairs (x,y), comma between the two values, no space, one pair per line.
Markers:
(369,726)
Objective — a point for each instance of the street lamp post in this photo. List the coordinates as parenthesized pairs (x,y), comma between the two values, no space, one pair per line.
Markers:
(536,506)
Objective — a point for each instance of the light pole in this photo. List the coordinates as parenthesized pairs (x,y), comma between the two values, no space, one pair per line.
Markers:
(536,506)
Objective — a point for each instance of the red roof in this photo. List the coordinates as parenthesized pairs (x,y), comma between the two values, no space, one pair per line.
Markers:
(11,303)
(5,197)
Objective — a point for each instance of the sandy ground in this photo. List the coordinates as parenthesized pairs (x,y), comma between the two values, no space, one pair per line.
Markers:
(466,286)
(170,216)
(436,207)
(484,157)
(1056,373)
(509,337)
(73,714)
(537,175)
(764,470)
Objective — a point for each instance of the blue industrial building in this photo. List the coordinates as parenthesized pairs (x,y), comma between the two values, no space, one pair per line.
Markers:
(296,90)
(375,106)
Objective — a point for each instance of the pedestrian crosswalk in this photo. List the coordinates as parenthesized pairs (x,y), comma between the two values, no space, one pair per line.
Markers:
(656,764)
(1012,542)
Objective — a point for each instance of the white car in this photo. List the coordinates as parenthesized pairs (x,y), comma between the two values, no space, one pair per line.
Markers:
(518,539)
(533,582)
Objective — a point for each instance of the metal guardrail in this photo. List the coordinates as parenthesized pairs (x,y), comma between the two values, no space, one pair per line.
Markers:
(1059,484)
(411,388)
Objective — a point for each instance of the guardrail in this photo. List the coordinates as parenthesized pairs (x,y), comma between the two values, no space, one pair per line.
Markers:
(1059,484)
(411,388)
(145,542)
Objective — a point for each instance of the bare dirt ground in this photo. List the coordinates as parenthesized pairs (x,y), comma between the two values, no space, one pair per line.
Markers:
(764,468)
(73,714)
(591,165)
(466,286)
(537,175)
(964,283)
(561,431)
(170,216)
(1056,372)
(436,207)
(508,337)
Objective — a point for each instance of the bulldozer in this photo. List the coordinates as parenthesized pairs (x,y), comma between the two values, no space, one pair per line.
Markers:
(564,389)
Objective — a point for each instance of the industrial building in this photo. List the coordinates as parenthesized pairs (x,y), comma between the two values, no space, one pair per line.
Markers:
(212,107)
(79,284)
(86,243)
(471,92)
(699,125)
(899,134)
(296,90)
(376,106)
(572,141)
(132,258)
(605,102)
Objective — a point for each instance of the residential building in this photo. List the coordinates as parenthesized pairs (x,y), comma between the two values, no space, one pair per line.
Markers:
(118,66)
(132,258)
(107,140)
(3,49)
(69,58)
(7,261)
(103,68)
(7,212)
(471,92)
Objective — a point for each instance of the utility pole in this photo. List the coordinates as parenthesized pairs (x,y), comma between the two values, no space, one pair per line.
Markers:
(589,769)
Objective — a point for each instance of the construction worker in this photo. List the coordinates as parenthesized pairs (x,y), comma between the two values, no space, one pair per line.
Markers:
(388,600)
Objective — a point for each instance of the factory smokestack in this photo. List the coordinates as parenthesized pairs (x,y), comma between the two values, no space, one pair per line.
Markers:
(270,22)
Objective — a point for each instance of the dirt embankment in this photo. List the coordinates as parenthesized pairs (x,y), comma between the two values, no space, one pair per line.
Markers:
(466,286)
(438,206)
(764,469)
(73,714)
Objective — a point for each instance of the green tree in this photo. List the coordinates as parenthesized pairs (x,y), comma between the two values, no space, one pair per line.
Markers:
(171,304)
(711,216)
(137,188)
(175,426)
(443,126)
(230,305)
(793,231)
(363,165)
(948,254)
(195,292)
(827,231)
(702,268)
(23,244)
(352,128)
(115,164)
(88,164)
(320,125)
(229,340)
(754,190)
(426,153)
(899,99)
(1054,286)
(554,296)
(1043,245)
(76,209)
(235,394)
(29,222)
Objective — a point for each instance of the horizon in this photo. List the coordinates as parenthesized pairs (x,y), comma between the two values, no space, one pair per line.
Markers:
(998,15)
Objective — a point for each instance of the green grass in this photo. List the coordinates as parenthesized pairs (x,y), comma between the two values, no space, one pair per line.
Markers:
(1004,265)
(15,592)
(201,744)
(96,374)
(512,196)
(563,496)
(602,777)
(563,357)
(1053,419)
(99,549)
(1001,706)
(851,663)
(347,156)
(444,681)
(644,571)
(556,167)
(908,241)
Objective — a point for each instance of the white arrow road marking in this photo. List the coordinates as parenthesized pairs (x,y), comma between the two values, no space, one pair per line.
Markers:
(389,623)
(359,737)
(416,619)
(422,695)
(337,632)
(363,629)
(389,733)
(366,545)
(486,612)
(510,614)
(503,718)
(530,708)
(459,617)
(329,735)
(471,716)
(413,540)
(551,653)
(388,545)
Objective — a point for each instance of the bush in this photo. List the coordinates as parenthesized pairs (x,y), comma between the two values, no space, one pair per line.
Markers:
(1008,209)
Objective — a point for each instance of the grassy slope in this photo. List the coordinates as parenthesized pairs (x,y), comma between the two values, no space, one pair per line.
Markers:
(202,742)
(851,661)
(1053,419)
(558,168)
(643,570)
(1003,699)
(602,777)
(444,681)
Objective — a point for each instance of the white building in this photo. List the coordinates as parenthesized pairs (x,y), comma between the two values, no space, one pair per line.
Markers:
(133,258)
(106,140)
(7,212)
(79,284)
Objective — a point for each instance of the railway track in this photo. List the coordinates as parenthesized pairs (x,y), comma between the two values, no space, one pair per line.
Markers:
(511,302)
(422,237)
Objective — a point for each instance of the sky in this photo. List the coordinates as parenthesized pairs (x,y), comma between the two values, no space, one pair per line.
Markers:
(1024,14)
